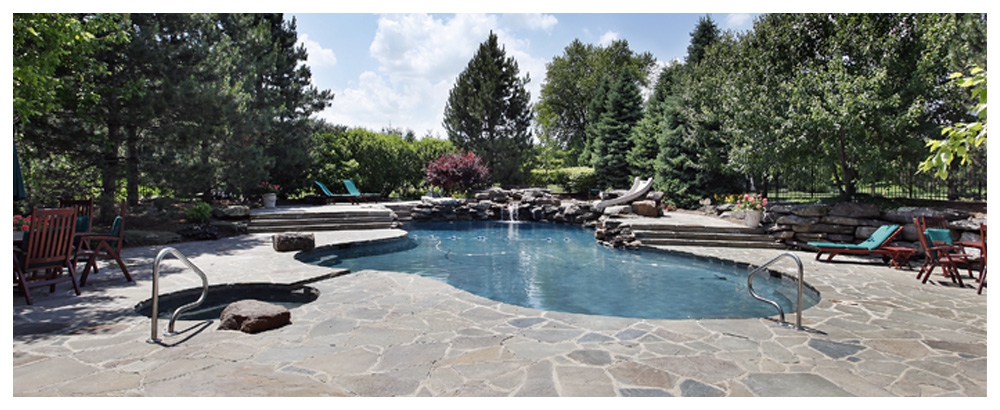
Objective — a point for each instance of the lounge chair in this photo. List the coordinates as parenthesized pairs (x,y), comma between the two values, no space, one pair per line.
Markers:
(357,194)
(104,246)
(330,196)
(874,245)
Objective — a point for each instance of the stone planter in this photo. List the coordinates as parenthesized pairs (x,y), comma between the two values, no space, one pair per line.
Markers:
(269,199)
(752,218)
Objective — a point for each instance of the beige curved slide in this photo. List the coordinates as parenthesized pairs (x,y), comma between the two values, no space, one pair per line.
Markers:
(639,188)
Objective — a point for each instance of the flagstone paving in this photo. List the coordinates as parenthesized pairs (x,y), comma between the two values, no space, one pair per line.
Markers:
(876,332)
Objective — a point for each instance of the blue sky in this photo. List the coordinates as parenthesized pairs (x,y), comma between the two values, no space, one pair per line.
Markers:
(397,69)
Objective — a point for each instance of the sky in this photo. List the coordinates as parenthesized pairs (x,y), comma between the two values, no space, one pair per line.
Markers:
(395,70)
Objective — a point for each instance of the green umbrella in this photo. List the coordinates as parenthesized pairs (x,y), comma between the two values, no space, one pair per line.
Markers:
(19,192)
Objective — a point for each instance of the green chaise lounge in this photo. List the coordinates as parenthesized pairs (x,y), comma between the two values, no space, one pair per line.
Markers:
(874,245)
(330,196)
(357,195)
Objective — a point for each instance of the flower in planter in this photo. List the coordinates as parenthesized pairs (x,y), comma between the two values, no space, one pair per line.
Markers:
(22,223)
(269,188)
(751,203)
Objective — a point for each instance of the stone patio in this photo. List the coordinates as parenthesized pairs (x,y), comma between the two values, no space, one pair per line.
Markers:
(876,332)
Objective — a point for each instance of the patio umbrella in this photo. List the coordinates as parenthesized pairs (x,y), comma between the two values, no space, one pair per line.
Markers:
(19,192)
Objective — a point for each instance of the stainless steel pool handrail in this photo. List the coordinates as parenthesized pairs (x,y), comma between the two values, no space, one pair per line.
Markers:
(781,313)
(156,292)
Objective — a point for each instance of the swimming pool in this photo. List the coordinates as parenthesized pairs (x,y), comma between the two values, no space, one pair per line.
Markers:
(562,268)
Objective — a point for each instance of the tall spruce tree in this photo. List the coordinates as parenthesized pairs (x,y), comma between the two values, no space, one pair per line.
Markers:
(704,34)
(623,109)
(488,112)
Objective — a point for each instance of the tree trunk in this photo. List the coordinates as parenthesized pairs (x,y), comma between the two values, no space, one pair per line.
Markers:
(132,166)
(109,174)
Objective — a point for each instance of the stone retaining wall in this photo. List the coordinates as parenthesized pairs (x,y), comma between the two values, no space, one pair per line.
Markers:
(849,222)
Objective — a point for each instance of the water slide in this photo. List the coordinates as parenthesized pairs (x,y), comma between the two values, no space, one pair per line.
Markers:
(638,190)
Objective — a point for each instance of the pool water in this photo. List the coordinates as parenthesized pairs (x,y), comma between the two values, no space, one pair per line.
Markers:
(562,268)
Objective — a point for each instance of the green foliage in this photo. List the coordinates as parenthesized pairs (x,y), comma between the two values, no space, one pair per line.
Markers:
(703,36)
(962,138)
(199,212)
(376,162)
(572,180)
(488,112)
(623,109)
(572,83)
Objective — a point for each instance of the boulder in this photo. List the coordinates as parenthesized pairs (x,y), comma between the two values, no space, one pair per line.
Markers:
(906,214)
(796,220)
(855,210)
(656,196)
(293,241)
(810,210)
(646,208)
(617,210)
(231,212)
(253,316)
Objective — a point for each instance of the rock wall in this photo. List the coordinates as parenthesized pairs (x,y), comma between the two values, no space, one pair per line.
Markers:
(849,222)
(537,205)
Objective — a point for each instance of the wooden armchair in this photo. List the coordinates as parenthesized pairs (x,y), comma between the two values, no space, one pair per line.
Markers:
(940,253)
(104,246)
(47,249)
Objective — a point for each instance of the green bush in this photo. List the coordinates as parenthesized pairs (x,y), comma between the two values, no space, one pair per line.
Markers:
(572,180)
(199,213)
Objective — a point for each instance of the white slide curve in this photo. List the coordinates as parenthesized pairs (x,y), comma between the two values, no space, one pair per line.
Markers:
(639,188)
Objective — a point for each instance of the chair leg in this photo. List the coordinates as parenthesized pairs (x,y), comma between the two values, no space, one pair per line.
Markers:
(124,269)
(72,277)
(22,284)
(982,282)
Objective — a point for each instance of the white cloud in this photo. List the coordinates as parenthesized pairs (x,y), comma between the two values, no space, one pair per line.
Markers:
(738,20)
(419,58)
(608,37)
(534,21)
(421,46)
(318,56)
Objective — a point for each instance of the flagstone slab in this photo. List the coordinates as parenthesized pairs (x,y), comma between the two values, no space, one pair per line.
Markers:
(792,385)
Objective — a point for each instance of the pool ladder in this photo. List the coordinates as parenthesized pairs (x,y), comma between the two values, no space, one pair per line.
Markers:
(781,312)
(156,292)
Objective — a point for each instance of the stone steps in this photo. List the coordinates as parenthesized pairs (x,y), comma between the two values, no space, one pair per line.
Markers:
(320,221)
(651,234)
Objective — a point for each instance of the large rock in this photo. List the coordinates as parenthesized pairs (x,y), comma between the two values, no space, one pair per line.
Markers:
(796,220)
(285,242)
(231,212)
(617,210)
(646,208)
(253,316)
(855,210)
(810,210)
(904,214)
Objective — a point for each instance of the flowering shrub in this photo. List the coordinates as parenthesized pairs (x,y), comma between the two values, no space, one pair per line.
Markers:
(22,223)
(269,188)
(751,203)
(460,172)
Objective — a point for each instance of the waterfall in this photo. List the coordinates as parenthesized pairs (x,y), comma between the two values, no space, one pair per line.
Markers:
(512,211)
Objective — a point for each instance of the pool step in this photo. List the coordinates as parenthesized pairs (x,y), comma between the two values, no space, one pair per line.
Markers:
(375,218)
(706,236)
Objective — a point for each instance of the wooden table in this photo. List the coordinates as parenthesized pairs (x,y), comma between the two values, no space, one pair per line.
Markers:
(899,255)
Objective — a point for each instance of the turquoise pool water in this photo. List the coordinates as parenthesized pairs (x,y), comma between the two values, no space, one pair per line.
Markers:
(562,268)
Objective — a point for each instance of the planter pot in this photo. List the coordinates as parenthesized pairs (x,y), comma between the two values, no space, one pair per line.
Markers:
(752,218)
(269,200)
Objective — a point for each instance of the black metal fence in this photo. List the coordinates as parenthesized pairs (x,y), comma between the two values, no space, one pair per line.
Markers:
(963,183)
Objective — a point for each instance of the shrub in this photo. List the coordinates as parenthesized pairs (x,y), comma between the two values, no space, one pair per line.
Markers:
(457,172)
(573,180)
(199,213)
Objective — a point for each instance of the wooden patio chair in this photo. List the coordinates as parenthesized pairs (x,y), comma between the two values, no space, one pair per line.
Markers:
(104,246)
(47,249)
(939,251)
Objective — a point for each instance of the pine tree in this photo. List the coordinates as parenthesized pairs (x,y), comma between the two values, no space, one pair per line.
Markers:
(704,34)
(623,110)
(488,112)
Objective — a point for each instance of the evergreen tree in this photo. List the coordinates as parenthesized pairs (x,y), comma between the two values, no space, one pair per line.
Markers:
(623,110)
(646,134)
(596,108)
(488,112)
(704,34)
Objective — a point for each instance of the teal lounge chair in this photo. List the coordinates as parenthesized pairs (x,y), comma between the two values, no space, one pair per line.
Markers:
(330,196)
(874,245)
(357,195)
